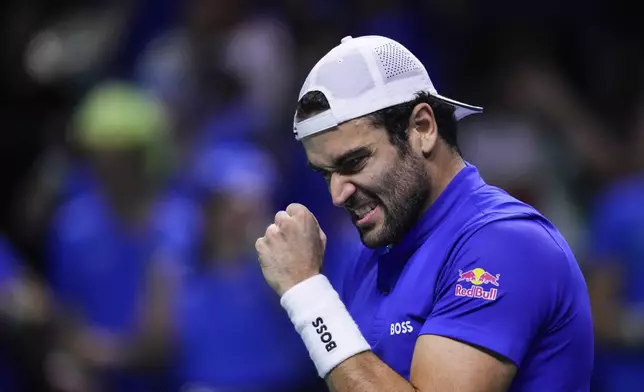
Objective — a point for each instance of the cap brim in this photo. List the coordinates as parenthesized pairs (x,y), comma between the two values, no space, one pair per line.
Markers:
(462,110)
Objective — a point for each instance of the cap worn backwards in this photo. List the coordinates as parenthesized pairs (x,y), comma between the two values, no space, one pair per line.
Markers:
(363,75)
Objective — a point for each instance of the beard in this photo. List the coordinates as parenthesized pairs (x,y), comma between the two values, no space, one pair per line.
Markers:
(403,193)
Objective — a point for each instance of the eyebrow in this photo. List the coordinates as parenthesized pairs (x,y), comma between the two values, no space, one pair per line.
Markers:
(342,159)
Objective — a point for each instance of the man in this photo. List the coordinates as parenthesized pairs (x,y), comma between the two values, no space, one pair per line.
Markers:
(200,331)
(460,287)
(122,217)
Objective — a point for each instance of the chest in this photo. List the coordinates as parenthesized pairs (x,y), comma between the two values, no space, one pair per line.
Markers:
(110,258)
(105,273)
(392,319)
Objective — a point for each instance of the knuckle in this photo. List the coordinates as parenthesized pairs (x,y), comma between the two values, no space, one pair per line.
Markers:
(295,209)
(281,217)
(272,230)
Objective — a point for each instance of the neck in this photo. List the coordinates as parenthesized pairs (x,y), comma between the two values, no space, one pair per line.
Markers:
(447,165)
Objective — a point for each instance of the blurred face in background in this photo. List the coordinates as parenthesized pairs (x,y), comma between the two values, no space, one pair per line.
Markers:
(121,173)
(236,181)
(384,187)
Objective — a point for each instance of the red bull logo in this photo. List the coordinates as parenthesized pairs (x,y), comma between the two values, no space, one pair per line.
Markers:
(477,277)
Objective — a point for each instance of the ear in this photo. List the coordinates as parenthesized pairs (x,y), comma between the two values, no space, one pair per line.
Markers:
(422,125)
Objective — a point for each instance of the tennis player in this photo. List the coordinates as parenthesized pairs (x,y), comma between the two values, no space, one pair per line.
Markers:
(459,287)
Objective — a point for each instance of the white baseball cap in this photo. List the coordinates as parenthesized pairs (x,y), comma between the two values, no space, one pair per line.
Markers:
(363,75)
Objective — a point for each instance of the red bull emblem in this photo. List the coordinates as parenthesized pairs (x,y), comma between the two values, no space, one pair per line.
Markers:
(477,277)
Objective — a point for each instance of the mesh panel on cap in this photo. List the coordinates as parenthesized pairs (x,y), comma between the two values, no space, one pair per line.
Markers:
(345,77)
(396,62)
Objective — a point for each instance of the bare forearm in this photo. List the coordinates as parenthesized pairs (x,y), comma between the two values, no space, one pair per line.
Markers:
(365,372)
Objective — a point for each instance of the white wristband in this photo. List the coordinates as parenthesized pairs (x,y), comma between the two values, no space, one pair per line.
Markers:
(323,322)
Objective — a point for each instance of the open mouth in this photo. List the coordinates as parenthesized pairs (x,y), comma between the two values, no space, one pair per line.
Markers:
(363,214)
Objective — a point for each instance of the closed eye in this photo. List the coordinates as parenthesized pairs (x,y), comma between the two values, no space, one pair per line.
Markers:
(349,163)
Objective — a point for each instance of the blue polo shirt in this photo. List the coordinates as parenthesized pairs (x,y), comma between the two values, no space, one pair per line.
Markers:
(98,269)
(482,268)
(231,334)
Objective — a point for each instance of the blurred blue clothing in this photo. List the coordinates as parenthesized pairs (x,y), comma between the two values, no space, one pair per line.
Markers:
(8,270)
(342,249)
(312,190)
(236,120)
(617,229)
(98,269)
(232,333)
(617,236)
(77,181)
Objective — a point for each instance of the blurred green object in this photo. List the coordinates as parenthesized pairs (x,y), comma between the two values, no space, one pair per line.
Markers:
(117,115)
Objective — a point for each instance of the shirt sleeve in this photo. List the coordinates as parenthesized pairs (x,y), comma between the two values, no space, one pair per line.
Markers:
(499,288)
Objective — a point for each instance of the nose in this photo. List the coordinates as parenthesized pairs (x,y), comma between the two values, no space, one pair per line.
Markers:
(341,189)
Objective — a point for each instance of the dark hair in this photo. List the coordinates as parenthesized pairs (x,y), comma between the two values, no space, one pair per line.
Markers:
(395,119)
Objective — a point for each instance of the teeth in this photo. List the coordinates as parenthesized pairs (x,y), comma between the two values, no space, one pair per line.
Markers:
(361,212)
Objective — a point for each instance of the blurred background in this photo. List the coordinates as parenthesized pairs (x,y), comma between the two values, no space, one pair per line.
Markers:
(147,144)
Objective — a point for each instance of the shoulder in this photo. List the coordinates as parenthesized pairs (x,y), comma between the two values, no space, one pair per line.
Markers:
(494,221)
(502,223)
(494,203)
(523,266)
(526,241)
(525,258)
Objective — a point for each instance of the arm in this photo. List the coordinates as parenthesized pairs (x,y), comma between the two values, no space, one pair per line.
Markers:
(439,364)
(150,345)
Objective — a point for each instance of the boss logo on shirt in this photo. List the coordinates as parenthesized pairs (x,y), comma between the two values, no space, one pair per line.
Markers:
(324,334)
(401,328)
(478,277)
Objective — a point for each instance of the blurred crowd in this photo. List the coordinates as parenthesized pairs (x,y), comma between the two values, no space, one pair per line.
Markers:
(148,143)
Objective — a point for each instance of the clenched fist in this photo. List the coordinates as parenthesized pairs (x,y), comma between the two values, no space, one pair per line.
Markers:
(292,249)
